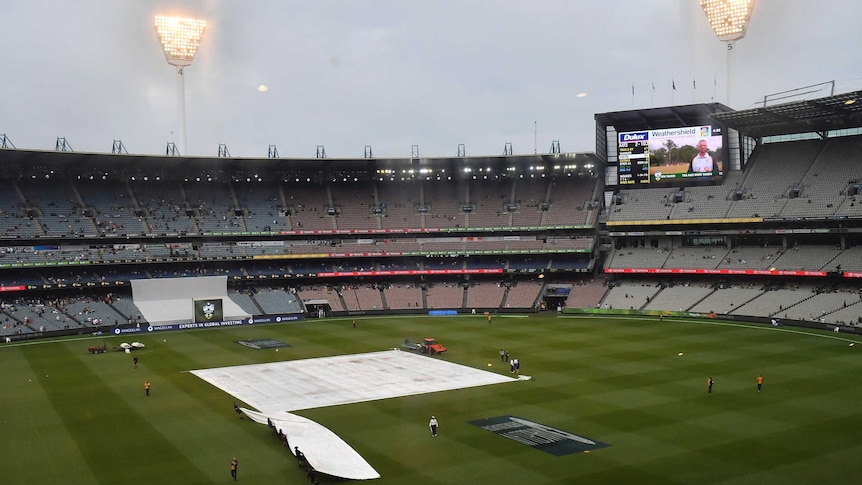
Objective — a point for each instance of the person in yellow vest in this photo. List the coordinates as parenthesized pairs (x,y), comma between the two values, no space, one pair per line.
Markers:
(147,387)
(709,383)
(233,466)
(759,382)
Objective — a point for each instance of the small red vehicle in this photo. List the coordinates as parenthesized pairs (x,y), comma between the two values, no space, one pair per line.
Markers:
(428,346)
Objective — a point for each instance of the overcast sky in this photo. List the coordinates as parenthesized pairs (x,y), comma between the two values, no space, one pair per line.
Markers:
(394,73)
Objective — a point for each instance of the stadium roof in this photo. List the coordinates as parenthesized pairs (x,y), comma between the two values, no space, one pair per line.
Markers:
(837,112)
(661,118)
(35,163)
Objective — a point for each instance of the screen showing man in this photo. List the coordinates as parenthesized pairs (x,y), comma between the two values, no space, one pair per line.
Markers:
(702,162)
(671,155)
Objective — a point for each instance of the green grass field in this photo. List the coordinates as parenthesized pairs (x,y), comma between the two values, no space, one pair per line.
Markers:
(71,417)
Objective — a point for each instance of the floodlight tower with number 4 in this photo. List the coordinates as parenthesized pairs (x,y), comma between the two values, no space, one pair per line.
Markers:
(729,20)
(180,39)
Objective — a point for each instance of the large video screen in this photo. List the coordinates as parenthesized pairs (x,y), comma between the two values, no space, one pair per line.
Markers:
(672,155)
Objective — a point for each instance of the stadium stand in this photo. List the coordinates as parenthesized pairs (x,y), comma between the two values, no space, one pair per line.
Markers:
(775,236)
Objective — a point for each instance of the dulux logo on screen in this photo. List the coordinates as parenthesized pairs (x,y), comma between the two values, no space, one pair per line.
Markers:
(639,136)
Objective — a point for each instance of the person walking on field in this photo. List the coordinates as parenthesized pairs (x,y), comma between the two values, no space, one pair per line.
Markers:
(759,382)
(147,387)
(433,425)
(709,383)
(233,466)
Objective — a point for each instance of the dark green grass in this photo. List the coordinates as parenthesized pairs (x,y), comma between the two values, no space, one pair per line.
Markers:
(71,417)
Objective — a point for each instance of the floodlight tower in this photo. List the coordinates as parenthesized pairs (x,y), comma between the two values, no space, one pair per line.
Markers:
(729,20)
(180,39)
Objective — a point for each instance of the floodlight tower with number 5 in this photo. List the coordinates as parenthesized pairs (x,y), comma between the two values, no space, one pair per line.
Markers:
(729,20)
(180,39)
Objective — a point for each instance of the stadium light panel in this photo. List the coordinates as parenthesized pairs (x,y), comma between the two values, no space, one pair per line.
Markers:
(180,38)
(728,18)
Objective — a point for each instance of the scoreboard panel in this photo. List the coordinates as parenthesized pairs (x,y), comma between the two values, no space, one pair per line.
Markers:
(671,155)
(633,155)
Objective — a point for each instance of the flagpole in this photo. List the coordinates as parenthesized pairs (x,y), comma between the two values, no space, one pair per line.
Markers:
(714,85)
(672,92)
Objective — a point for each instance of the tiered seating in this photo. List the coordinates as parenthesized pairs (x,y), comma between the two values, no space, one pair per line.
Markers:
(569,202)
(851,314)
(354,202)
(777,168)
(815,308)
(725,300)
(489,201)
(678,297)
(696,257)
(480,244)
(403,297)
(529,196)
(643,205)
(399,246)
(399,201)
(586,294)
(13,220)
(444,200)
(36,315)
(823,188)
(849,259)
(318,293)
(639,258)
(263,207)
(243,299)
(746,257)
(308,205)
(809,258)
(704,203)
(628,295)
(93,312)
(485,295)
(445,296)
(214,206)
(362,298)
(127,309)
(276,301)
(569,243)
(166,207)
(113,206)
(772,302)
(523,294)
(62,213)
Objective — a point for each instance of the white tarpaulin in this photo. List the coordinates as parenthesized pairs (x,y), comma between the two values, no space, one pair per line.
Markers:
(276,388)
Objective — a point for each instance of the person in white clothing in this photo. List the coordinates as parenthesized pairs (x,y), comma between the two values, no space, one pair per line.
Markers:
(702,162)
(433,425)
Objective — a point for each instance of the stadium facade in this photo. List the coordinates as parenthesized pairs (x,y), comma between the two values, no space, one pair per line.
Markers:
(769,231)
